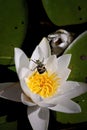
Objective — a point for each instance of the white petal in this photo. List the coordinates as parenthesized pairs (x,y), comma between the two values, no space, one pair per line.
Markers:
(26,100)
(67,106)
(63,61)
(45,48)
(73,89)
(70,90)
(53,66)
(45,104)
(38,117)
(10,91)
(36,98)
(25,88)
(24,73)
(21,60)
(35,56)
(51,63)
(63,75)
(41,52)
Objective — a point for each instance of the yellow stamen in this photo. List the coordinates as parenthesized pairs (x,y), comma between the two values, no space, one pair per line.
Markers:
(45,84)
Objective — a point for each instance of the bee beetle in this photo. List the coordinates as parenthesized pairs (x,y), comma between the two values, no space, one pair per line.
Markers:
(40,66)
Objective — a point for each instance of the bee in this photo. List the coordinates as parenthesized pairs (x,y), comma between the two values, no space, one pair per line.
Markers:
(40,66)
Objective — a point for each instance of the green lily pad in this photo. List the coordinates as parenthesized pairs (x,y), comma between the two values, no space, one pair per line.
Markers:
(62,12)
(4,125)
(78,63)
(78,66)
(13,25)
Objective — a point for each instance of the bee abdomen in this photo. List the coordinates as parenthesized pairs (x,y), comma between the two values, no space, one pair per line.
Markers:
(41,70)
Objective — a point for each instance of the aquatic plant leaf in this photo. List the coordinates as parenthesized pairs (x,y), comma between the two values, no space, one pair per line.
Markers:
(62,12)
(13,25)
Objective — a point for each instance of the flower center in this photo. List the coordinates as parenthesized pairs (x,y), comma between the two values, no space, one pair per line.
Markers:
(45,84)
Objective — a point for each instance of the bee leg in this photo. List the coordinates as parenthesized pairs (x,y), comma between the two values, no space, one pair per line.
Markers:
(33,68)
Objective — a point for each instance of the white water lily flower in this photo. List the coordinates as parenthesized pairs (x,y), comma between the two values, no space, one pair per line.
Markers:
(45,90)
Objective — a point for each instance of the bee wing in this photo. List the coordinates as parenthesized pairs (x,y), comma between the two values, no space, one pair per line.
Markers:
(11,91)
